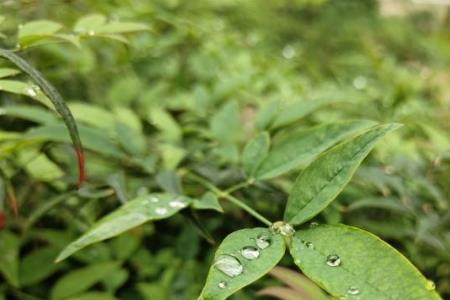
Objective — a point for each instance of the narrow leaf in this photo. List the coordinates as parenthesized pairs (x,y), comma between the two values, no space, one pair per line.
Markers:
(298,149)
(353,264)
(254,152)
(265,249)
(9,257)
(7,72)
(325,178)
(132,214)
(26,89)
(37,30)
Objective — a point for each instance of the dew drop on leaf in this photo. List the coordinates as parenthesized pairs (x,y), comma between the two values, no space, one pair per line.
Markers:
(32,91)
(309,245)
(333,260)
(161,211)
(353,291)
(313,224)
(263,241)
(154,199)
(222,284)
(229,265)
(430,285)
(177,203)
(91,32)
(250,252)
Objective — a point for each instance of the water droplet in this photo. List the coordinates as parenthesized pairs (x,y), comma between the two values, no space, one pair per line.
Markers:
(229,265)
(153,199)
(288,52)
(283,228)
(91,32)
(309,245)
(263,241)
(430,285)
(32,90)
(360,82)
(222,284)
(313,224)
(333,260)
(177,203)
(250,252)
(353,290)
(161,211)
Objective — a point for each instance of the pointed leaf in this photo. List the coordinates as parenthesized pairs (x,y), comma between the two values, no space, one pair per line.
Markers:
(325,178)
(219,285)
(208,201)
(89,23)
(367,267)
(26,89)
(299,148)
(37,30)
(7,72)
(254,152)
(132,214)
(9,257)
(82,279)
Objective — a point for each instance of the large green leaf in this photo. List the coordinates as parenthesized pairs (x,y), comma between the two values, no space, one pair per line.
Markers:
(353,264)
(38,265)
(244,255)
(133,213)
(82,279)
(30,113)
(325,178)
(301,147)
(26,89)
(7,72)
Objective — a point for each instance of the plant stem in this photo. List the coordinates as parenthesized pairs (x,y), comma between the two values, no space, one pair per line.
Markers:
(239,186)
(227,196)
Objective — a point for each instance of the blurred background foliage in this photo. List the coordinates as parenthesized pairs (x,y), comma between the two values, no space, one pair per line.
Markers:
(187,94)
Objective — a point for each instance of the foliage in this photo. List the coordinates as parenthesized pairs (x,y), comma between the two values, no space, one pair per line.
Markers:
(229,114)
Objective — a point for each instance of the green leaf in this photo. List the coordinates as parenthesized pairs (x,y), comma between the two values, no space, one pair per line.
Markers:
(229,256)
(38,265)
(26,89)
(225,124)
(92,115)
(82,279)
(30,113)
(93,139)
(37,30)
(7,72)
(352,263)
(132,214)
(121,27)
(254,152)
(294,111)
(208,201)
(164,121)
(89,23)
(94,296)
(9,257)
(299,148)
(325,178)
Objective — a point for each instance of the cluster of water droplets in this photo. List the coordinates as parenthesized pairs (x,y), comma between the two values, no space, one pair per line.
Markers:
(230,265)
(161,210)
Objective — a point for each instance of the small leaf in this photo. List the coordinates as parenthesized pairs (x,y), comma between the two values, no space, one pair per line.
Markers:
(37,30)
(208,201)
(132,214)
(30,113)
(26,89)
(170,130)
(352,263)
(82,279)
(122,27)
(89,23)
(242,269)
(9,257)
(294,111)
(7,72)
(299,148)
(325,178)
(225,124)
(38,265)
(254,152)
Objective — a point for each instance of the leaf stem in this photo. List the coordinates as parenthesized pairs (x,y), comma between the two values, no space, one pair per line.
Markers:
(227,196)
